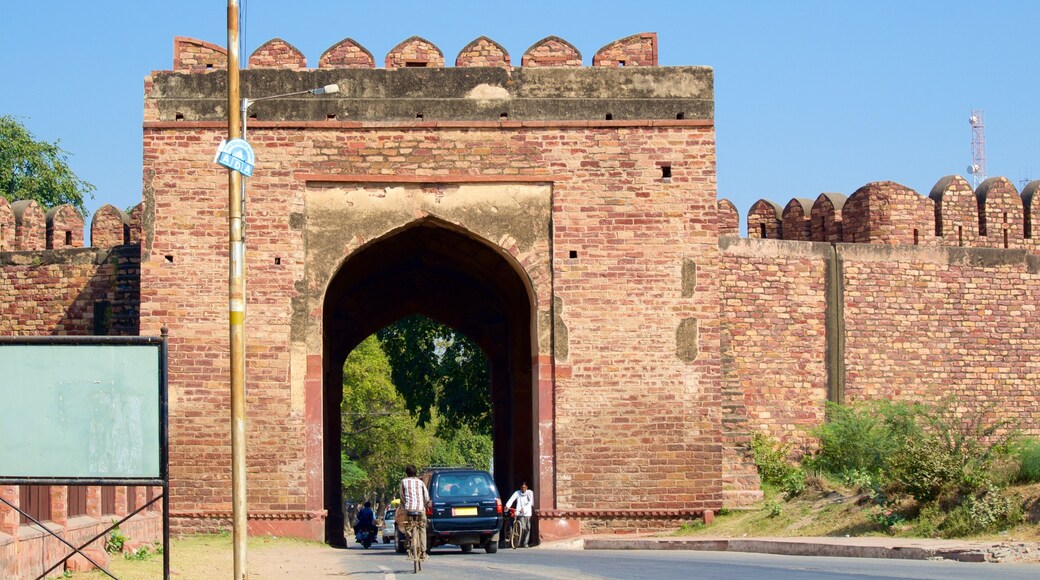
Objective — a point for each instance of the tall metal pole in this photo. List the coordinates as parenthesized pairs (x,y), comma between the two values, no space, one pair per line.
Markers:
(236,308)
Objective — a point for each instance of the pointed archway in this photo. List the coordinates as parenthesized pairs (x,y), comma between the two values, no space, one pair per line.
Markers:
(435,269)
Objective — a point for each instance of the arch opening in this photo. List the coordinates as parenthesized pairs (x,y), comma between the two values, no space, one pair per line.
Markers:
(433,269)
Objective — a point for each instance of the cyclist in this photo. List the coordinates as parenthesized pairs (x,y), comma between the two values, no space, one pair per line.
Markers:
(414,499)
(524,499)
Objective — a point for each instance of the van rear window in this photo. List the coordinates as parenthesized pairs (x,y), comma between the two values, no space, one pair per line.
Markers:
(463,485)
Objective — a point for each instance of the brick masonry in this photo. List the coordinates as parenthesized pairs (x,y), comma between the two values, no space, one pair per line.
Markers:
(551,51)
(346,54)
(483,52)
(414,52)
(276,53)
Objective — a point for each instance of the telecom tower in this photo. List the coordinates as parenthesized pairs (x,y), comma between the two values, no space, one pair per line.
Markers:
(977,169)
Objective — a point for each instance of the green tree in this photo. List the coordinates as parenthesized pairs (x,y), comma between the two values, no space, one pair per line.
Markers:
(380,436)
(440,371)
(460,447)
(34,169)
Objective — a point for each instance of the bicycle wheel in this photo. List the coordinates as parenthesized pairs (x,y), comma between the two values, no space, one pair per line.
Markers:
(414,549)
(514,534)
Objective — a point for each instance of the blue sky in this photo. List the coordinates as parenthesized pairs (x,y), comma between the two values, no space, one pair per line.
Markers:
(810,96)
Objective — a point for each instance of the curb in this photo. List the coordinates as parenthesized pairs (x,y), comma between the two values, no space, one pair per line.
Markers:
(794,548)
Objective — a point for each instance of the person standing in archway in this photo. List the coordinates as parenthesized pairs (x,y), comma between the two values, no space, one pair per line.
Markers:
(524,500)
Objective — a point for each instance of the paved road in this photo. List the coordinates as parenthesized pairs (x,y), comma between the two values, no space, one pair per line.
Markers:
(382,563)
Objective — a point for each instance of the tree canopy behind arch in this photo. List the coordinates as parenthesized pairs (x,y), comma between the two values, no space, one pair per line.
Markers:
(38,170)
(379,435)
(439,371)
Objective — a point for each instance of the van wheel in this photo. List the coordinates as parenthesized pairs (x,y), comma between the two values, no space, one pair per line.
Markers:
(466,548)
(491,547)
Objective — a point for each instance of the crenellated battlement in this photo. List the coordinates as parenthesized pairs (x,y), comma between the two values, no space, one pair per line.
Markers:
(415,85)
(25,227)
(995,215)
(192,55)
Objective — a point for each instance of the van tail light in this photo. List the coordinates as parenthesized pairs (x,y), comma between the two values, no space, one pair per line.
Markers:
(429,510)
(498,505)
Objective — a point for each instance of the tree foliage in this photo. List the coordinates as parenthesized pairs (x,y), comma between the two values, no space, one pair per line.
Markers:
(417,393)
(380,436)
(461,447)
(440,371)
(34,169)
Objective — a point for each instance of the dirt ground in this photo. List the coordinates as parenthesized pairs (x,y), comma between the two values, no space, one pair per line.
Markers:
(210,557)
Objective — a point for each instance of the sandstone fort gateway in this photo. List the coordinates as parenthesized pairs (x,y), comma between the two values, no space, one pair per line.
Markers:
(567,219)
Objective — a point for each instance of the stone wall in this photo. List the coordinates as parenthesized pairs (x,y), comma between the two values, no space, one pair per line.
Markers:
(804,323)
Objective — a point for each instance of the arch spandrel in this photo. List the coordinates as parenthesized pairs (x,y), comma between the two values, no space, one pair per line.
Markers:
(342,219)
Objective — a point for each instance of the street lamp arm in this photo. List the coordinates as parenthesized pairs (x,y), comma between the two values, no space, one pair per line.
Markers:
(325,90)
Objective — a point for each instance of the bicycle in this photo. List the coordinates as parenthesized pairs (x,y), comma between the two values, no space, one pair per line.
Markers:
(515,530)
(413,529)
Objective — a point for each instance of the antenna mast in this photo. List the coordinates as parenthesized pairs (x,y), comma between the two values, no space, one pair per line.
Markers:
(977,169)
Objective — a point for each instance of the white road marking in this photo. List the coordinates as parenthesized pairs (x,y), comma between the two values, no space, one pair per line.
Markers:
(388,574)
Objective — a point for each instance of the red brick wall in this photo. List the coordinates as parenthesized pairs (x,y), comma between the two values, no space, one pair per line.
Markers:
(276,53)
(764,217)
(347,53)
(729,219)
(795,220)
(194,55)
(957,217)
(414,52)
(30,225)
(635,50)
(825,219)
(773,334)
(109,227)
(64,228)
(638,424)
(921,325)
(53,298)
(7,227)
(886,212)
(551,51)
(483,52)
(1001,219)
(1031,211)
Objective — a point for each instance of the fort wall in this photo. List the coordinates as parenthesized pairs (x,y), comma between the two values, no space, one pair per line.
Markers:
(51,285)
(804,323)
(995,215)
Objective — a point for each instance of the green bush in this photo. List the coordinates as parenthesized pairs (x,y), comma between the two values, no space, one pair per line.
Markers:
(921,469)
(1027,453)
(992,510)
(773,467)
(928,520)
(862,437)
(955,454)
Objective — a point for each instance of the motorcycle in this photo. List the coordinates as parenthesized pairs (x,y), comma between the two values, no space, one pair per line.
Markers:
(366,536)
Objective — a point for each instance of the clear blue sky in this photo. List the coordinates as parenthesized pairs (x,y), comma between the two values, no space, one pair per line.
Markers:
(810,96)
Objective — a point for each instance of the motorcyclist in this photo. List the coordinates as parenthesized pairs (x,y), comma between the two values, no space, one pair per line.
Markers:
(366,519)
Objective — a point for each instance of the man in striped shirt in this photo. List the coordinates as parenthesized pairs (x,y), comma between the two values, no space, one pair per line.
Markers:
(414,498)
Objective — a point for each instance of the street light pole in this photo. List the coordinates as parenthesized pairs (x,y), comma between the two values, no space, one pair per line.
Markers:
(237,115)
(236,309)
